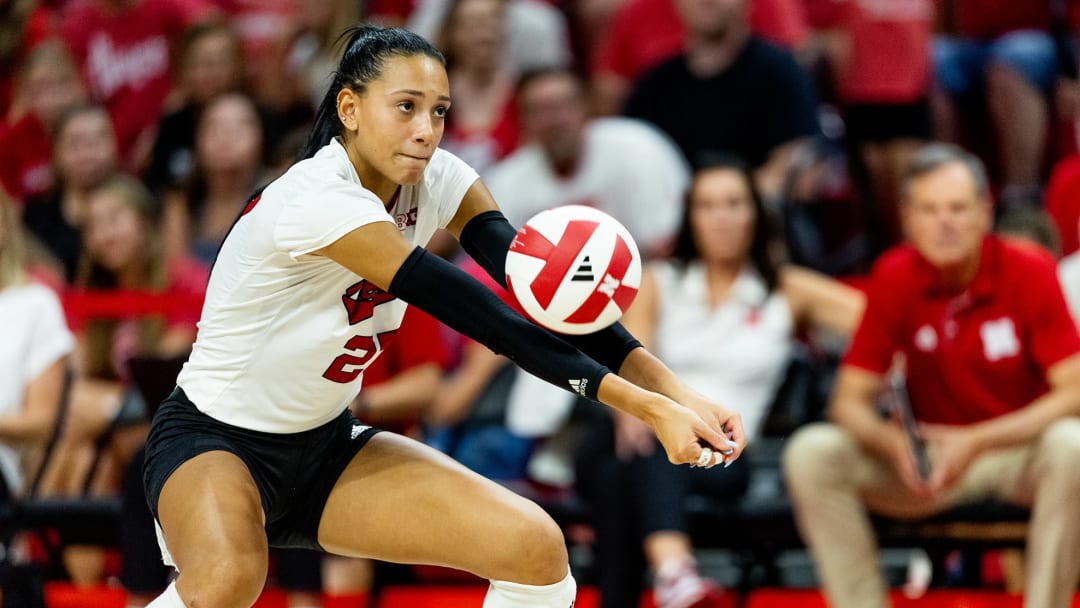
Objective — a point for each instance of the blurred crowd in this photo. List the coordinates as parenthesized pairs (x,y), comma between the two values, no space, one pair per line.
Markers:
(777,161)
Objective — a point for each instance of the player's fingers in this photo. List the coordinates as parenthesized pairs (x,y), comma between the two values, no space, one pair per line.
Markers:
(705,457)
(712,437)
(735,438)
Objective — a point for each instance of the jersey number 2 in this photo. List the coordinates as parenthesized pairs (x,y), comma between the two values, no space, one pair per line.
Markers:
(347,367)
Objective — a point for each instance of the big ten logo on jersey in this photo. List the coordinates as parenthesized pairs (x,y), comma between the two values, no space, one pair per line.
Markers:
(404,220)
(360,300)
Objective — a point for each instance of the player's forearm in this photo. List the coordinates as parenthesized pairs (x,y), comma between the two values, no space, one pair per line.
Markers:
(1024,425)
(645,370)
(620,393)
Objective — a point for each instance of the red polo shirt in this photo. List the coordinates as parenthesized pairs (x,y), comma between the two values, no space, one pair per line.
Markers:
(1062,201)
(975,353)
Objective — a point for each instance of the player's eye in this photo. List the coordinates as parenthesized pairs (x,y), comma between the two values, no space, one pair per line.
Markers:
(441,111)
(405,106)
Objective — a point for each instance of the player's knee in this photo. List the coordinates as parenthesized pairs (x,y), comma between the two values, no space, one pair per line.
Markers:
(813,451)
(538,555)
(223,581)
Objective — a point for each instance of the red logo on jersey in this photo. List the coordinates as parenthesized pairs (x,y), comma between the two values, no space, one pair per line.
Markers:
(360,300)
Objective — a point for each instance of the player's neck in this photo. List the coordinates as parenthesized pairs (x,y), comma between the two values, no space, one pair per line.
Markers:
(372,180)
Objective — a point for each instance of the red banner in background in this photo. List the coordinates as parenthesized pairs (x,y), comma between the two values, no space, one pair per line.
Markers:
(82,306)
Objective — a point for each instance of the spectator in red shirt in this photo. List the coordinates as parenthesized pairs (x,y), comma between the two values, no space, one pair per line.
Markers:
(992,360)
(48,84)
(879,54)
(124,47)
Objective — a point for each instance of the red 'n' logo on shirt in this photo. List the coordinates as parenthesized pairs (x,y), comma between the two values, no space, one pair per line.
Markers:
(360,300)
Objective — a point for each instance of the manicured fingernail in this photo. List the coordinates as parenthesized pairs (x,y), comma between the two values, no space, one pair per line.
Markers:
(731,443)
(728,463)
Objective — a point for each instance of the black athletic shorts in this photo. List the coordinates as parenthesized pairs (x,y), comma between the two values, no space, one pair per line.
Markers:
(294,472)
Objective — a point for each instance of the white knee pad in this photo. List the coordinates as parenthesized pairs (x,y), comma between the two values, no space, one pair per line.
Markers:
(169,599)
(504,594)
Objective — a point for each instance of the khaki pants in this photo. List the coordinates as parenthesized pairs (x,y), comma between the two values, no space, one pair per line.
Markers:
(833,483)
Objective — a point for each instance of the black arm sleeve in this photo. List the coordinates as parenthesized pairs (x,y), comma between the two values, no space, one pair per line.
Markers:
(487,239)
(463,303)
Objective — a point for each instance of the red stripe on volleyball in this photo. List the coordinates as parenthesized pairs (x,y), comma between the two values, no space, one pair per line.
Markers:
(531,243)
(561,258)
(591,308)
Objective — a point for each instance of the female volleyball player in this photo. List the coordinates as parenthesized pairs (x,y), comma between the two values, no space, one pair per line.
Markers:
(256,446)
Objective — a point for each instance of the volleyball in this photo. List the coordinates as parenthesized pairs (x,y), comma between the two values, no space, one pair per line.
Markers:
(573,269)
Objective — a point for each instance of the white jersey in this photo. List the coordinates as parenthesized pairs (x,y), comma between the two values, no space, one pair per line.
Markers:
(284,335)
(629,169)
(735,353)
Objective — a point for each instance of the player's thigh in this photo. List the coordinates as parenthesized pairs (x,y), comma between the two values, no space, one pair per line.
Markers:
(401,501)
(211,514)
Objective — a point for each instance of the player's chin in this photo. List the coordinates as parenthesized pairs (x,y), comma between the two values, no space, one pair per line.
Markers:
(410,177)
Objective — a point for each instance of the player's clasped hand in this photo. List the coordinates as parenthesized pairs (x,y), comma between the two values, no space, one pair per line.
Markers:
(704,441)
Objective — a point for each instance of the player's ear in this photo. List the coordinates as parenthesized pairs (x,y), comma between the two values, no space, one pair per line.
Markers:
(347,108)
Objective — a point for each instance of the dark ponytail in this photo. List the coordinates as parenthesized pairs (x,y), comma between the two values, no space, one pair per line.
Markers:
(366,50)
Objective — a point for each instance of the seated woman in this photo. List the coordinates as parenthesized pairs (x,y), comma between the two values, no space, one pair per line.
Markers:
(33,358)
(723,314)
